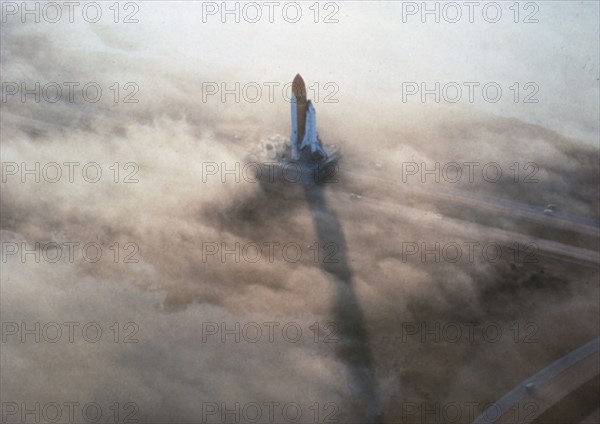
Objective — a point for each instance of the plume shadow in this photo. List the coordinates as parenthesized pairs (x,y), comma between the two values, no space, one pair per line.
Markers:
(354,348)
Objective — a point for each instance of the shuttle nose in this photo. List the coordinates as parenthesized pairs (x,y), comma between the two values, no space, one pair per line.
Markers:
(298,87)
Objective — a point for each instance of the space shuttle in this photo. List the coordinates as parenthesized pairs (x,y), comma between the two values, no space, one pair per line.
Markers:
(303,154)
(305,142)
